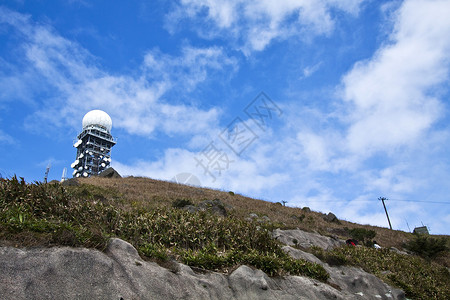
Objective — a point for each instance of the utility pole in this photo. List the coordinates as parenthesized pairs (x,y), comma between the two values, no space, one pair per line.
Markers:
(382,200)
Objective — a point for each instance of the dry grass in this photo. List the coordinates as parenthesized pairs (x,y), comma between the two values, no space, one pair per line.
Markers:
(150,193)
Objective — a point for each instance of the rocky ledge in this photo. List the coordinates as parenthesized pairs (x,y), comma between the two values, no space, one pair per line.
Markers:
(120,273)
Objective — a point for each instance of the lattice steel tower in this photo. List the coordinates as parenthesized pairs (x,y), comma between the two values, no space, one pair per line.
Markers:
(93,145)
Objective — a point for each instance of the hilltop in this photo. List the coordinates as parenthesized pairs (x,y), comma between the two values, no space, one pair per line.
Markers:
(215,231)
(153,193)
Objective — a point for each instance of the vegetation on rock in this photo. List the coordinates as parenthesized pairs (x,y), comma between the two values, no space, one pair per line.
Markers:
(145,213)
(419,278)
(81,216)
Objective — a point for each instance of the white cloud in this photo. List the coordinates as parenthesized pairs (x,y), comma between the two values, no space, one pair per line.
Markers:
(6,138)
(174,161)
(392,94)
(139,104)
(255,24)
(308,71)
(393,179)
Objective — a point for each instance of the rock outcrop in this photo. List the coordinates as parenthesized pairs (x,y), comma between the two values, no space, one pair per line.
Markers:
(215,206)
(350,279)
(110,173)
(306,239)
(119,273)
(330,217)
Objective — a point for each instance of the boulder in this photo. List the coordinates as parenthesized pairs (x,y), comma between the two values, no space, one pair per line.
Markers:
(353,280)
(214,206)
(109,173)
(191,208)
(393,249)
(300,254)
(71,182)
(330,217)
(306,239)
(358,282)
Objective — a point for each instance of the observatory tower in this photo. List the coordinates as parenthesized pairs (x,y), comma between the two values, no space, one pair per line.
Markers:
(93,145)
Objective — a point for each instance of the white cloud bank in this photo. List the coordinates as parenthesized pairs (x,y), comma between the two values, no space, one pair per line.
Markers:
(393,95)
(68,74)
(253,25)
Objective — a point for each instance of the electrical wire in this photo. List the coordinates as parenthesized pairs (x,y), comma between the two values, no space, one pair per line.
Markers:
(394,200)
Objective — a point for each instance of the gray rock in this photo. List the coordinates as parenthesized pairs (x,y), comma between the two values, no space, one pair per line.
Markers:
(265,219)
(214,206)
(355,281)
(358,282)
(110,173)
(299,254)
(119,273)
(330,217)
(253,216)
(191,208)
(393,249)
(306,239)
(70,182)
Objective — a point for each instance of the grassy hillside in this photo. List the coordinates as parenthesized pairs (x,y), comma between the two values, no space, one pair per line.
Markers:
(140,211)
(151,193)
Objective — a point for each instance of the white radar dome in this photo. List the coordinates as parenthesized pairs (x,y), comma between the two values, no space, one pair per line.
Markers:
(99,118)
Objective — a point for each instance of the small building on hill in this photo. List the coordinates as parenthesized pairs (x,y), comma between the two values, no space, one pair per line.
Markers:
(421,230)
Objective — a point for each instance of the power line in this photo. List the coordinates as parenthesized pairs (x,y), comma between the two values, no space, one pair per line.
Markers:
(423,201)
(395,200)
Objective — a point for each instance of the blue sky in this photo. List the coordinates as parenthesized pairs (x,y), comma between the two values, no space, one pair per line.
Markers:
(329,104)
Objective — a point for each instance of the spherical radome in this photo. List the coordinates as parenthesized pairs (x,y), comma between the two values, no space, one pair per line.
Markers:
(97,117)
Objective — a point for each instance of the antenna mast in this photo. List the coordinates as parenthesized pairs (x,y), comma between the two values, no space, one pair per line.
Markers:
(46,172)
(64,175)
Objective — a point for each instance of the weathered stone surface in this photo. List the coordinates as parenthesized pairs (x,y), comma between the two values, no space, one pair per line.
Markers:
(306,239)
(110,173)
(393,249)
(71,182)
(352,280)
(213,206)
(299,254)
(358,282)
(119,273)
(265,219)
(191,208)
(330,217)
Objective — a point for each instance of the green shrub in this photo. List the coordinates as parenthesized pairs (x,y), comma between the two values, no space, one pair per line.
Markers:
(271,263)
(364,236)
(426,246)
(333,258)
(154,251)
